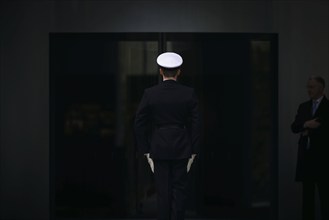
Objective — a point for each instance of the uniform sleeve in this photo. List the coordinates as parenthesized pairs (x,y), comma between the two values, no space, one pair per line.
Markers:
(195,124)
(141,125)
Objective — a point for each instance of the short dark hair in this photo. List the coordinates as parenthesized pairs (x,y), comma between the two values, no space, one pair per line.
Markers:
(170,72)
(319,79)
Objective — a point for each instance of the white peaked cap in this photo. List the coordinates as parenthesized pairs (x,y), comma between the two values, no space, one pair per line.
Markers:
(169,60)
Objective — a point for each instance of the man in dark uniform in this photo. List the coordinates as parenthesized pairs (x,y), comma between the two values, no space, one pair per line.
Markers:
(171,110)
(312,123)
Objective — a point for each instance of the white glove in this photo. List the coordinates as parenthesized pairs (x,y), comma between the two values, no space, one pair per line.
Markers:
(190,161)
(150,161)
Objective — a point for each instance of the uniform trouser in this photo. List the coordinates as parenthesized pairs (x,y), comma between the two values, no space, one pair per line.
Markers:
(309,201)
(171,182)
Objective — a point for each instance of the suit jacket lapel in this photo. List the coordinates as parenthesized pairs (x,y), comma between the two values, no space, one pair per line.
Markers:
(324,99)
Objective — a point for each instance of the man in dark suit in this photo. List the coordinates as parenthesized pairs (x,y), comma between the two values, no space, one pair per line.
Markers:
(167,128)
(312,123)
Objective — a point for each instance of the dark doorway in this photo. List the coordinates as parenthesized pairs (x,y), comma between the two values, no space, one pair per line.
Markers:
(97,80)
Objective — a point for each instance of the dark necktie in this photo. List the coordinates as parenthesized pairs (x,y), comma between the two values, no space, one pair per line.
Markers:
(314,107)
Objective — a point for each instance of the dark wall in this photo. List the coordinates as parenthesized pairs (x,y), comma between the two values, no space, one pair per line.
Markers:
(24,78)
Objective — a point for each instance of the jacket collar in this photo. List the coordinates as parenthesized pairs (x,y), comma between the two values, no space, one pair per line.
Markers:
(323,100)
(169,81)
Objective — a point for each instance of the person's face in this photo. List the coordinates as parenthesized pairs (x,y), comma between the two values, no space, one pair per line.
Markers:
(314,89)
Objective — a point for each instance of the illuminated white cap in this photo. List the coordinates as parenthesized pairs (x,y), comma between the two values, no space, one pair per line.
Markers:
(169,60)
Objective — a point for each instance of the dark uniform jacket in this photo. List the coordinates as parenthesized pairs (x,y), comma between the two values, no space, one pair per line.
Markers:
(167,122)
(312,160)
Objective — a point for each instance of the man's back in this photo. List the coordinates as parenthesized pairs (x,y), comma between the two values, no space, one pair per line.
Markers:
(171,109)
(170,103)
